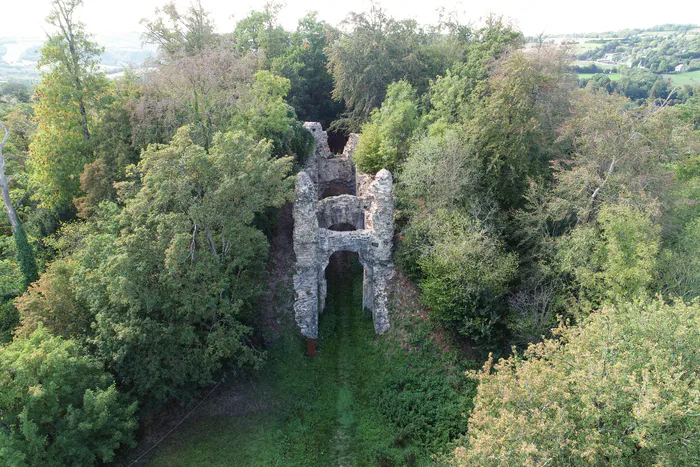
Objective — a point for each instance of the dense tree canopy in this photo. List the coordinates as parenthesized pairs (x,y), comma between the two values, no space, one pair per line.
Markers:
(150,255)
(161,285)
(377,51)
(621,388)
(387,136)
(59,406)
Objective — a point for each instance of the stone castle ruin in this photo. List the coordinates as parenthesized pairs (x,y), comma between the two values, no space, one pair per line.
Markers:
(339,209)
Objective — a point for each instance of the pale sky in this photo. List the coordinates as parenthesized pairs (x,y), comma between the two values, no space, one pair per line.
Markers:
(109,17)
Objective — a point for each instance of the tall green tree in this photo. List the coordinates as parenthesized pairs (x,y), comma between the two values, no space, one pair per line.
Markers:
(465,273)
(260,32)
(160,288)
(17,256)
(516,115)
(613,260)
(59,406)
(267,116)
(617,154)
(70,94)
(385,139)
(185,265)
(299,56)
(376,51)
(439,172)
(303,63)
(115,146)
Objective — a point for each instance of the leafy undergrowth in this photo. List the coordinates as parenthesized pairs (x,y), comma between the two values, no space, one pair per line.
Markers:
(396,399)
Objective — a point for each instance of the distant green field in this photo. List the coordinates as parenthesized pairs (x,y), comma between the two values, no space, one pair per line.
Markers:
(658,33)
(692,78)
(585,46)
(680,79)
(612,76)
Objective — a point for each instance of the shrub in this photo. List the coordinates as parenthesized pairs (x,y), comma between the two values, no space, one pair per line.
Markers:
(385,139)
(621,389)
(466,273)
(59,407)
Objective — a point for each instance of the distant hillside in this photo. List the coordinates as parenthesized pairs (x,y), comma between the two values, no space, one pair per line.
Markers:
(669,48)
(19,55)
(662,28)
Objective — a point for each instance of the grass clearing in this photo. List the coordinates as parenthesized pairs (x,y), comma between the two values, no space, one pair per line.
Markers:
(585,47)
(692,78)
(612,76)
(364,399)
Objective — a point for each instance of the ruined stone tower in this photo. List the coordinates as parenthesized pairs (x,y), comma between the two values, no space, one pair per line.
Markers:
(337,209)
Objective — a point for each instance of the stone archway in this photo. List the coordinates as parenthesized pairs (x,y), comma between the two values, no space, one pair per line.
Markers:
(368,209)
(367,281)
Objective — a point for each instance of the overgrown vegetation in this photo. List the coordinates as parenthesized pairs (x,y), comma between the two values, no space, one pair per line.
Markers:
(613,390)
(59,405)
(361,400)
(132,273)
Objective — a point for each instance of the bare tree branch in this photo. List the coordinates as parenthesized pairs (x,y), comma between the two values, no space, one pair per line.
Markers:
(212,242)
(11,213)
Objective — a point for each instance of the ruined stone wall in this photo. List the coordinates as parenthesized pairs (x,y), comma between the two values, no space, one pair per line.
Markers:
(334,175)
(367,205)
(343,209)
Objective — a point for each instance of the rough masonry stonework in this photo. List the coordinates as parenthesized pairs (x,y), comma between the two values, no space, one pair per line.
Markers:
(339,209)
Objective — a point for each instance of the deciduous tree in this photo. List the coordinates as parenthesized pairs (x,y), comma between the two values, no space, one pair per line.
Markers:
(168,279)
(59,406)
(376,51)
(385,139)
(465,274)
(71,92)
(23,251)
(621,389)
(201,91)
(177,34)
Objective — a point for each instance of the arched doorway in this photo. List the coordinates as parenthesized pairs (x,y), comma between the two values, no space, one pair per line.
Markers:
(342,266)
(343,280)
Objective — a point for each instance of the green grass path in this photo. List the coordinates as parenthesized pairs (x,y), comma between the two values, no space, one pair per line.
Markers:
(317,410)
(345,404)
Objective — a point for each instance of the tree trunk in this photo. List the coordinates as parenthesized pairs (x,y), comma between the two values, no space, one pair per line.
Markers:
(83,116)
(11,213)
(23,251)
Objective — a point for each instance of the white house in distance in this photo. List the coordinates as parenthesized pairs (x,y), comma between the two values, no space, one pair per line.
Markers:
(681,68)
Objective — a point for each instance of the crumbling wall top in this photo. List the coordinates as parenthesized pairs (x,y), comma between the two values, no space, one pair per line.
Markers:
(351,145)
(321,137)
